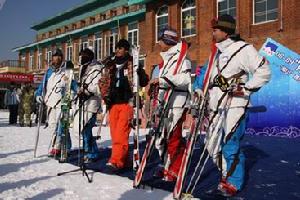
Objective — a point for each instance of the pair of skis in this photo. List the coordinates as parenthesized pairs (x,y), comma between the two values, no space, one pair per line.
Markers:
(136,118)
(66,104)
(196,124)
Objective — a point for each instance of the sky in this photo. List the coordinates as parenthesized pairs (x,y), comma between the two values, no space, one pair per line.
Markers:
(17,16)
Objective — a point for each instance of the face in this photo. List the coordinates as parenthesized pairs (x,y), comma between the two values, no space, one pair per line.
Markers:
(121,52)
(84,59)
(163,46)
(219,35)
(56,61)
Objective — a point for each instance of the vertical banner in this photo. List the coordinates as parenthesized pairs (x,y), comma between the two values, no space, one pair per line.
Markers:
(281,96)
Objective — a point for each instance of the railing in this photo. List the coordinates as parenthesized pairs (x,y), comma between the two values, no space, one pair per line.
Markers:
(12,63)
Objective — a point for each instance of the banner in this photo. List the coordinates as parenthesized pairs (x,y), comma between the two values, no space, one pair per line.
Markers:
(16,78)
(281,96)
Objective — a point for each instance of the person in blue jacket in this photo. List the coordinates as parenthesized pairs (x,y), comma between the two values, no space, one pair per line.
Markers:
(50,92)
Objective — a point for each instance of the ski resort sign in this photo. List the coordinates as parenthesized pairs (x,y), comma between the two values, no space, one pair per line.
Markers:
(286,60)
(280,96)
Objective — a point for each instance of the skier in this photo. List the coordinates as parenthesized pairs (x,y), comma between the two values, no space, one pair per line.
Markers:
(28,103)
(11,100)
(230,90)
(50,92)
(118,97)
(171,141)
(88,103)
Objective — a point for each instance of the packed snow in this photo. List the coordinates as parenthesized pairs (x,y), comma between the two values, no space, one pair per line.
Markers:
(24,177)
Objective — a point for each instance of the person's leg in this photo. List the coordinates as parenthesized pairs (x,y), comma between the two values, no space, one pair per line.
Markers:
(121,135)
(235,159)
(92,148)
(113,122)
(10,109)
(175,149)
(16,113)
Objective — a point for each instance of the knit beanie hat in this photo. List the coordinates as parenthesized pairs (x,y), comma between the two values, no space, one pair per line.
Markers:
(169,36)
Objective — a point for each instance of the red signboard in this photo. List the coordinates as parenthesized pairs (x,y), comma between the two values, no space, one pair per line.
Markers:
(17,78)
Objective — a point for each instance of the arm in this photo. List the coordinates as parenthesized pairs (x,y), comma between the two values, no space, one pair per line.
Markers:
(180,80)
(39,90)
(93,85)
(258,67)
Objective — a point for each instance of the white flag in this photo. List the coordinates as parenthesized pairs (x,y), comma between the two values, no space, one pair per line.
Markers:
(2,3)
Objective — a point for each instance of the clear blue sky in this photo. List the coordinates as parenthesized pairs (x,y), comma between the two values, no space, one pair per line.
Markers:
(17,16)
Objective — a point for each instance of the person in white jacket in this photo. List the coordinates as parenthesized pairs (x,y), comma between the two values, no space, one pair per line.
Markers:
(175,81)
(237,71)
(88,103)
(50,92)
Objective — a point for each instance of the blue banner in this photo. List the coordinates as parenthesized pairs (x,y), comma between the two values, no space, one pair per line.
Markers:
(281,96)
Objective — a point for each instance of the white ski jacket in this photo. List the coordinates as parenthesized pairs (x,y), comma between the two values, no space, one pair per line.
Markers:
(242,58)
(54,87)
(180,82)
(91,78)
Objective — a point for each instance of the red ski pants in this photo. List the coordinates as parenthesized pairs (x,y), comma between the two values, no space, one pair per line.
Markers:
(120,116)
(176,146)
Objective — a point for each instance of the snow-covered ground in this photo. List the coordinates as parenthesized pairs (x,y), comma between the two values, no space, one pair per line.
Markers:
(25,177)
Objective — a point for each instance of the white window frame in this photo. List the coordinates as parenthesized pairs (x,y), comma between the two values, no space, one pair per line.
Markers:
(99,42)
(228,8)
(69,54)
(267,21)
(115,37)
(105,45)
(39,65)
(31,61)
(156,20)
(184,10)
(132,31)
(48,57)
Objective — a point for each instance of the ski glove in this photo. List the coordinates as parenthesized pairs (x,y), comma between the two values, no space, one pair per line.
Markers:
(39,99)
(237,90)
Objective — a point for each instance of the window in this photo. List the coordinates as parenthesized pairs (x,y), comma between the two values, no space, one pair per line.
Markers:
(74,26)
(69,52)
(133,34)
(82,23)
(58,31)
(98,46)
(188,18)
(30,61)
(265,10)
(113,13)
(84,43)
(102,17)
(92,20)
(161,20)
(227,7)
(39,60)
(49,57)
(113,40)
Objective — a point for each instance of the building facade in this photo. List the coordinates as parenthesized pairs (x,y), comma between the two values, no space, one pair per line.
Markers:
(99,24)
(96,24)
